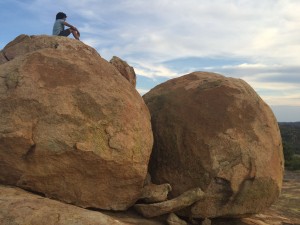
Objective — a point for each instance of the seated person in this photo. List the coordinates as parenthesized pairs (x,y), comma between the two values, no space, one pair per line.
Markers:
(59,27)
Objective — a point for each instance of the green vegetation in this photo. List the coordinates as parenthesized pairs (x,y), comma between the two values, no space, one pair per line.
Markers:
(290,133)
(294,163)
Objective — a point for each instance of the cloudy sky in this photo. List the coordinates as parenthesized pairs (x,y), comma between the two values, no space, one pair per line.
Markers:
(255,40)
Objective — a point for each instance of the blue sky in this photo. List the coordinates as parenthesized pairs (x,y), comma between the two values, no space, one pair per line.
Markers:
(255,40)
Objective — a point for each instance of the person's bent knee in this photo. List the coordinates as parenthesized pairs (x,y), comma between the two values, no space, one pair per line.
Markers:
(65,33)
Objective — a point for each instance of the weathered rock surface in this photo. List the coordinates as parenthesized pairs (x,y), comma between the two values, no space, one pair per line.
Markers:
(126,70)
(2,58)
(215,133)
(22,208)
(70,127)
(25,44)
(184,200)
(153,193)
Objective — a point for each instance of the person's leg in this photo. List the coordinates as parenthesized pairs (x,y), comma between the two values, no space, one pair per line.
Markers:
(75,33)
(65,33)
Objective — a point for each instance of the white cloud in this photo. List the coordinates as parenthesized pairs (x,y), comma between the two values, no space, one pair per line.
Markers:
(153,71)
(142,91)
(163,29)
(265,34)
(291,100)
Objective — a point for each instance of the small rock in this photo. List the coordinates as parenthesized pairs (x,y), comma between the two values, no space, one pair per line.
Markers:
(126,70)
(184,200)
(173,219)
(153,193)
(206,222)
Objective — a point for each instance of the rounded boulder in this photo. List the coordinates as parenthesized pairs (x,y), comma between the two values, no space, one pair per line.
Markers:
(72,127)
(216,133)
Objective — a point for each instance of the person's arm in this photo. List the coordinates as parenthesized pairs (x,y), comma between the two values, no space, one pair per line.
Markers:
(69,25)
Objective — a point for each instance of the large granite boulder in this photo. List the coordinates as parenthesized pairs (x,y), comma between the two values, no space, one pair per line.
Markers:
(71,126)
(215,133)
(19,207)
(22,208)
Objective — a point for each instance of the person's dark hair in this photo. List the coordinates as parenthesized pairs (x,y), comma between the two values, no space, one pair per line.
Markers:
(61,15)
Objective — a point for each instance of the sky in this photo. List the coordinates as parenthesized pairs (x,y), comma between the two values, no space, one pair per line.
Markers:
(254,40)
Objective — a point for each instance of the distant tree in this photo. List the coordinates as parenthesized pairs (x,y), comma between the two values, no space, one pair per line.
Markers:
(288,151)
(290,133)
(294,164)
